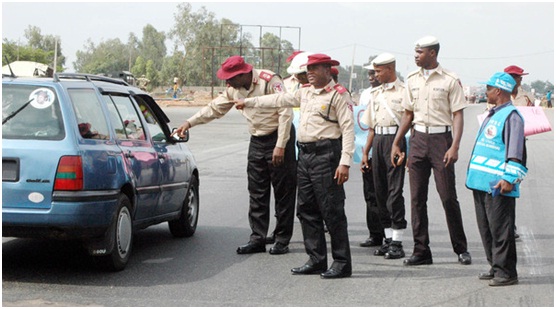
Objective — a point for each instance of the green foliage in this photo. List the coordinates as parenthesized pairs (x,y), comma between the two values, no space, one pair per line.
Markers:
(108,57)
(38,48)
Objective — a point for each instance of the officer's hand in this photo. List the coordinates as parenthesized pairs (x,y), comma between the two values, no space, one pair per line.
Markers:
(278,156)
(181,130)
(395,153)
(240,103)
(450,157)
(504,186)
(365,165)
(342,174)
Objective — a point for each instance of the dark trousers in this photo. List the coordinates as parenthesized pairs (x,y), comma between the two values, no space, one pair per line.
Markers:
(320,199)
(376,219)
(388,181)
(261,175)
(427,152)
(496,219)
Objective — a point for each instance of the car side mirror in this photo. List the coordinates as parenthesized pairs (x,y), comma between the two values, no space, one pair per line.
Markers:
(179,139)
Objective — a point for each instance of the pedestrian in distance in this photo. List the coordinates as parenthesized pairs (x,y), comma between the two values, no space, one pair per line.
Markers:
(433,104)
(271,157)
(326,146)
(383,116)
(494,174)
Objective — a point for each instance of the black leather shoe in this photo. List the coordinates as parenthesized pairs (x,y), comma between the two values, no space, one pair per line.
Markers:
(417,260)
(486,276)
(309,269)
(502,281)
(279,249)
(384,248)
(250,248)
(372,242)
(464,258)
(395,251)
(334,273)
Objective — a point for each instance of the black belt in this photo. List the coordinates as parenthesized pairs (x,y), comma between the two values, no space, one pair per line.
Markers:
(318,146)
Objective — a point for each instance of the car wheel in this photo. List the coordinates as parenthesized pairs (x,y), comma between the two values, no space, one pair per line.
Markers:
(121,238)
(186,224)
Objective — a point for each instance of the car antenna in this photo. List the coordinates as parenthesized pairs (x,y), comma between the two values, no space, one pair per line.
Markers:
(11,71)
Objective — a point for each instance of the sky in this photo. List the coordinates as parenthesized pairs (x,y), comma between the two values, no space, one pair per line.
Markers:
(476,38)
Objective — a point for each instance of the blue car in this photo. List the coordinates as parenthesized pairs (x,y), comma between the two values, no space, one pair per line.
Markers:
(92,158)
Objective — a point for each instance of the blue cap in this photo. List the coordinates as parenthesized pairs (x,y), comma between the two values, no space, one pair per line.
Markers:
(502,81)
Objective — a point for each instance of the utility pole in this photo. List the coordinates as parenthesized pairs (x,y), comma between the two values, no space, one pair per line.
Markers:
(352,63)
(55,54)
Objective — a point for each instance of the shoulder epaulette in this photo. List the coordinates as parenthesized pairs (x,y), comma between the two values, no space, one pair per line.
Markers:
(413,73)
(451,74)
(341,89)
(266,76)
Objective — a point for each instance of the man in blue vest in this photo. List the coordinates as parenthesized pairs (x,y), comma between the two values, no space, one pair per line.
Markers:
(495,171)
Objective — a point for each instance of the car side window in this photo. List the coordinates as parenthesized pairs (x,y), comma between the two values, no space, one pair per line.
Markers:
(89,114)
(124,117)
(155,129)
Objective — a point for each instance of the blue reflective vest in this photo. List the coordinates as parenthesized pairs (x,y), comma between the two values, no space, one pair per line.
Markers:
(488,159)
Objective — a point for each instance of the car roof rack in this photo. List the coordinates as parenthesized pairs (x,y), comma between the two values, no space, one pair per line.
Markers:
(88,77)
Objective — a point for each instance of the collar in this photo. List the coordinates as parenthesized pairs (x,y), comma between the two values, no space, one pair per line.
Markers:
(328,88)
(391,85)
(438,70)
(499,107)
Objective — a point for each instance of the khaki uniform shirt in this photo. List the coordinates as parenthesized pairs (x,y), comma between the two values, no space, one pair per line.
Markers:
(433,100)
(261,122)
(291,84)
(522,98)
(376,113)
(314,104)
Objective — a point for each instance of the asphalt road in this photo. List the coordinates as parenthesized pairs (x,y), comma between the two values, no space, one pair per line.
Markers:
(205,270)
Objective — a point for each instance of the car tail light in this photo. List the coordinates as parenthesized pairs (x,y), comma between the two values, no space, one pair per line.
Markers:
(69,175)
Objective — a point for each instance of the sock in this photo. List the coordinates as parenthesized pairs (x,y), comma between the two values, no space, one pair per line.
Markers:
(397,235)
(387,233)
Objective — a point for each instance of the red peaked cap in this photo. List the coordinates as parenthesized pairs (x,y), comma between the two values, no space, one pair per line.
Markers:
(334,71)
(295,53)
(233,66)
(321,59)
(514,69)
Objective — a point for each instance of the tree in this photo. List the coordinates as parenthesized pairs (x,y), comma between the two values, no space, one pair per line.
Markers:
(109,57)
(152,46)
(38,48)
(274,53)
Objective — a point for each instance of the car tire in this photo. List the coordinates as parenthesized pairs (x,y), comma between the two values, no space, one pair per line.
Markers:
(121,238)
(186,224)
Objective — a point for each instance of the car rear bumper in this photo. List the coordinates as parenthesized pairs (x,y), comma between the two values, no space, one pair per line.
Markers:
(75,215)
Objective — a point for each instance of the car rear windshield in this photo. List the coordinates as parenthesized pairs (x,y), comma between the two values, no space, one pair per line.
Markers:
(31,112)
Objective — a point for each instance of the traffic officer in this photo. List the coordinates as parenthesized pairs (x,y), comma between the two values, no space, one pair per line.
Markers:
(433,103)
(271,157)
(383,117)
(520,97)
(326,146)
(374,220)
(291,82)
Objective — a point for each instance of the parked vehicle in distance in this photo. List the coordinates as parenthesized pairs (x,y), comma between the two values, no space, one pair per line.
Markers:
(92,158)
(481,98)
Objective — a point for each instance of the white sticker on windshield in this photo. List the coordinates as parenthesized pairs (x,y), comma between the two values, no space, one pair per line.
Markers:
(42,98)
